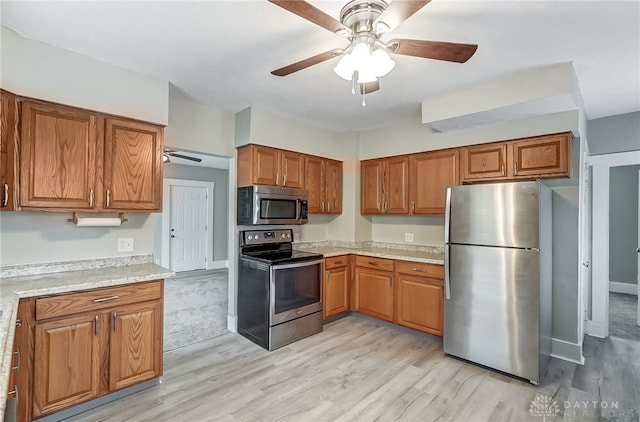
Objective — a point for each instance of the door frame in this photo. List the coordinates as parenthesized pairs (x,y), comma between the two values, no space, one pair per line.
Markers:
(598,325)
(166,218)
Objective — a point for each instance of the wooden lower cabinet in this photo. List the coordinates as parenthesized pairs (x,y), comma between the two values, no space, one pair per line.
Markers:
(420,303)
(374,293)
(336,291)
(110,339)
(135,352)
(67,363)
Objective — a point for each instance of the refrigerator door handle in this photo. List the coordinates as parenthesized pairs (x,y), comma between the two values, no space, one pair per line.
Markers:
(447,215)
(447,282)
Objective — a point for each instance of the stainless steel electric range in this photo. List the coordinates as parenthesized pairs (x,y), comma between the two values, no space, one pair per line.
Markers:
(279,289)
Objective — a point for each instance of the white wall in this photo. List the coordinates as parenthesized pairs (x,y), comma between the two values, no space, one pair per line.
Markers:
(38,70)
(37,237)
(199,128)
(612,134)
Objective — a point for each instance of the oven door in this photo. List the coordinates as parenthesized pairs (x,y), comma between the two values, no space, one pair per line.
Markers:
(295,290)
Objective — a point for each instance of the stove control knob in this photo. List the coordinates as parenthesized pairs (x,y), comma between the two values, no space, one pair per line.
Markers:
(282,236)
(257,236)
(250,237)
(288,235)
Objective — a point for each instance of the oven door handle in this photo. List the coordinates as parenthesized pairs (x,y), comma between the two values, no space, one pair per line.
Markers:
(297,264)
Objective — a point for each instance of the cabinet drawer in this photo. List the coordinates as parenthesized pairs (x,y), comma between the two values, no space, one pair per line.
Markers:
(421,269)
(73,303)
(375,263)
(336,262)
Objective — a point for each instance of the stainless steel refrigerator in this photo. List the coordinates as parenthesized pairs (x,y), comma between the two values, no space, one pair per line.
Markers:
(497,308)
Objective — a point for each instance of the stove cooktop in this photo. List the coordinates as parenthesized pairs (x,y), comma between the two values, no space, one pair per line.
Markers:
(280,257)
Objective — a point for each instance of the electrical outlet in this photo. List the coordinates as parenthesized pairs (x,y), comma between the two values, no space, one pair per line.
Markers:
(408,237)
(296,237)
(125,244)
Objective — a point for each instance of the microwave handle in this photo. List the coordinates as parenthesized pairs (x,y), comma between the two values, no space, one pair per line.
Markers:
(298,208)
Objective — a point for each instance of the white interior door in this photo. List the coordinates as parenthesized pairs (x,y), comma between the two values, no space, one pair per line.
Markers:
(638,252)
(188,228)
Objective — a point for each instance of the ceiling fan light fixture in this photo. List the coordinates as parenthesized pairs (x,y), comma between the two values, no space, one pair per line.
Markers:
(361,55)
(345,67)
(381,64)
(366,76)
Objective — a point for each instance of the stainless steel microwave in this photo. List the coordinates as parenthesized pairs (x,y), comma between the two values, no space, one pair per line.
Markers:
(272,205)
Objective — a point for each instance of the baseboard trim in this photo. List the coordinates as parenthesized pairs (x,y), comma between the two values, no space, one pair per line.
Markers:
(214,265)
(232,323)
(597,329)
(565,350)
(65,414)
(626,288)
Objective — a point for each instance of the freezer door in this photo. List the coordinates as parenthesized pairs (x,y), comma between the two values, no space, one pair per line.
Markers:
(501,214)
(492,315)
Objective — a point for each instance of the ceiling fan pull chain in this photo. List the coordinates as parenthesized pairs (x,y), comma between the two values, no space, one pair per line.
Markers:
(353,83)
(364,97)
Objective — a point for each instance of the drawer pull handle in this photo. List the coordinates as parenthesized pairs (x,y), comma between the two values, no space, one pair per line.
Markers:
(108,197)
(96,327)
(419,270)
(375,264)
(19,363)
(91,198)
(14,391)
(115,322)
(19,322)
(105,299)
(338,262)
(5,195)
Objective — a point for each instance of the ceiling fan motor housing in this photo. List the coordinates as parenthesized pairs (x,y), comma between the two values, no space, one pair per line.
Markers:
(359,15)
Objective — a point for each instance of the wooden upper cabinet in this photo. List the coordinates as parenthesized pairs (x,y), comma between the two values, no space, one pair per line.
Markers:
(136,344)
(431,174)
(258,165)
(291,170)
(542,156)
(480,162)
(132,166)
(60,149)
(315,183)
(396,185)
(333,186)
(8,151)
(371,182)
(66,363)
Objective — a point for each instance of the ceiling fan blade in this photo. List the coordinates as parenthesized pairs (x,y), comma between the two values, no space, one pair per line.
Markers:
(399,11)
(185,157)
(369,87)
(303,64)
(437,50)
(312,14)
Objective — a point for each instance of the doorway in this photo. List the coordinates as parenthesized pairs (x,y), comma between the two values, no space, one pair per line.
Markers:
(187,225)
(599,324)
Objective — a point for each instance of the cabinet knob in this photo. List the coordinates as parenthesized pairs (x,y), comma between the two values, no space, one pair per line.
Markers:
(5,195)
(90,198)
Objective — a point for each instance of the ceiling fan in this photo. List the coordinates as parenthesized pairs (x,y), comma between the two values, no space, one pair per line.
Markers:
(170,153)
(366,58)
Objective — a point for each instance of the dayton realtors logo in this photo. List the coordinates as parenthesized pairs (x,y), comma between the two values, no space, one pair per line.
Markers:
(547,406)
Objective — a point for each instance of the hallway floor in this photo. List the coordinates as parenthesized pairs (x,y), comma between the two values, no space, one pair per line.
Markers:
(623,316)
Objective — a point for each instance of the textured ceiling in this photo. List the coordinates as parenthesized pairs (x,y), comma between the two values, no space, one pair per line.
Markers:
(221,52)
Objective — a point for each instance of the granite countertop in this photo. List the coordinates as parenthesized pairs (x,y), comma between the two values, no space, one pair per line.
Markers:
(426,254)
(77,277)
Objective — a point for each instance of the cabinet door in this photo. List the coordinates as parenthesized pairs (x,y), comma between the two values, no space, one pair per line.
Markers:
(58,158)
(315,183)
(431,174)
(420,303)
(333,192)
(266,166)
(135,352)
(292,169)
(66,364)
(336,298)
(542,156)
(374,293)
(484,162)
(8,151)
(132,166)
(23,359)
(396,185)
(371,173)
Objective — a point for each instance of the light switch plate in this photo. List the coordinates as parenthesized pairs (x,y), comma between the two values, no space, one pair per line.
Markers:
(125,244)
(408,237)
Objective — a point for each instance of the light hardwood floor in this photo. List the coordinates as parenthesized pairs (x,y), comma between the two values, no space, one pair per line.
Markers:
(360,369)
